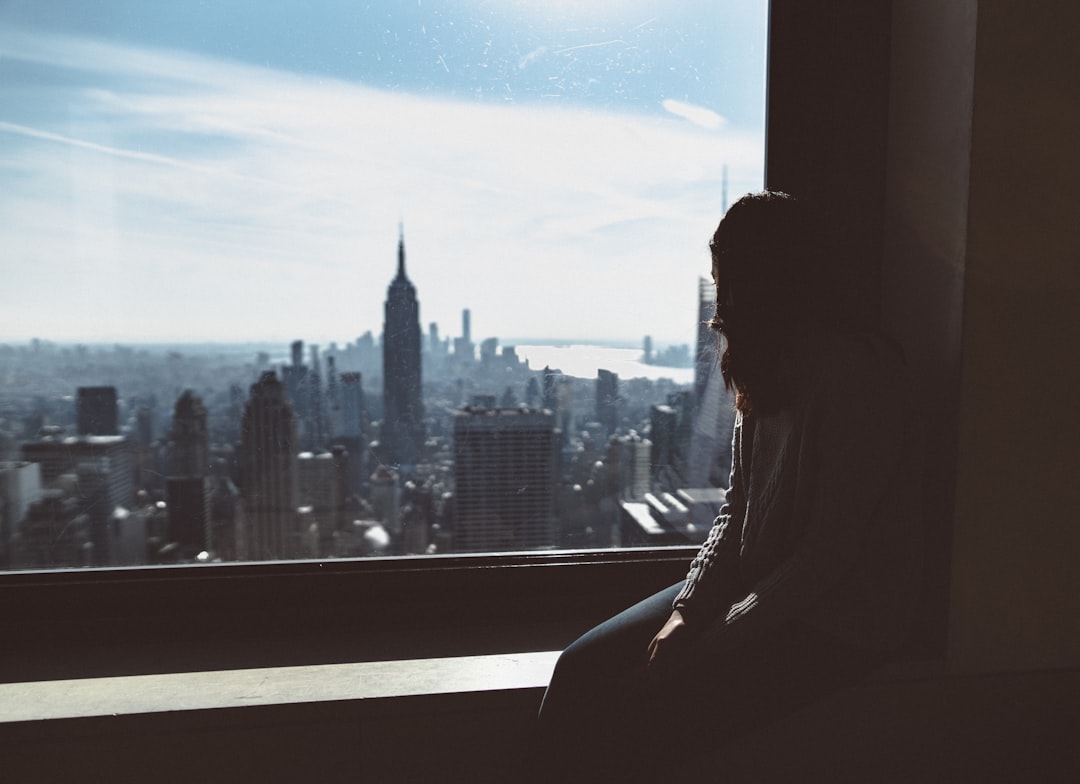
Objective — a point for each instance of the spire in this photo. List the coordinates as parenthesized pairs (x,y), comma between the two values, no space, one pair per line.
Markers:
(401,250)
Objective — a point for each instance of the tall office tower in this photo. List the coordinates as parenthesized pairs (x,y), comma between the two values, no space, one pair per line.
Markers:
(708,459)
(228,427)
(709,455)
(322,489)
(104,488)
(505,474)
(297,379)
(707,357)
(146,452)
(635,467)
(333,401)
(663,423)
(316,425)
(188,510)
(646,349)
(144,426)
(403,412)
(187,487)
(353,407)
(386,499)
(189,440)
(464,350)
(488,349)
(354,431)
(95,411)
(607,399)
(551,391)
(434,344)
(268,470)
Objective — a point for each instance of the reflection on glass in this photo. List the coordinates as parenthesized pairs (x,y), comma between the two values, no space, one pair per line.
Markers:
(331,279)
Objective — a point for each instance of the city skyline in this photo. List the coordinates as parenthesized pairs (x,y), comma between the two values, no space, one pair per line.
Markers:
(162,186)
(486,453)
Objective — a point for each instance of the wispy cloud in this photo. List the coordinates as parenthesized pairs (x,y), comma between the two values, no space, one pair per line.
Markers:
(217,200)
(698,115)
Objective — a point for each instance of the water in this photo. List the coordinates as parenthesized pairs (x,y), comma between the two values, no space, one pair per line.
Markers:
(584,360)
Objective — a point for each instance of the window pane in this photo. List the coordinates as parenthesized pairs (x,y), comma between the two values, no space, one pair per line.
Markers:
(330,279)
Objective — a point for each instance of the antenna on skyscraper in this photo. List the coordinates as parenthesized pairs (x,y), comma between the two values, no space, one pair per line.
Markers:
(401,249)
(723,191)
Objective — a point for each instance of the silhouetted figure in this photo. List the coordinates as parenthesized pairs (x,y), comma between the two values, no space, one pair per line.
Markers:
(808,576)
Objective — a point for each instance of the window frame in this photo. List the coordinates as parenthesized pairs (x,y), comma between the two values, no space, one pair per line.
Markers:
(76,623)
(137,620)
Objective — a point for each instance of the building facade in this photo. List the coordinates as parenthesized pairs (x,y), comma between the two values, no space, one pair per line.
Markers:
(188,487)
(268,456)
(102,472)
(96,411)
(505,474)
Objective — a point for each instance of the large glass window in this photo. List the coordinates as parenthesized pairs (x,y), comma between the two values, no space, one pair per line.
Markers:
(336,279)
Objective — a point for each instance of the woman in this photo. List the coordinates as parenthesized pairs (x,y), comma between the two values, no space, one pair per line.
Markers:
(808,576)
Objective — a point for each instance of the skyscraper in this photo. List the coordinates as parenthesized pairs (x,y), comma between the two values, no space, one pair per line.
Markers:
(333,400)
(297,377)
(189,441)
(709,458)
(607,398)
(403,419)
(464,350)
(96,413)
(707,345)
(269,473)
(316,423)
(187,488)
(322,479)
(505,474)
(354,427)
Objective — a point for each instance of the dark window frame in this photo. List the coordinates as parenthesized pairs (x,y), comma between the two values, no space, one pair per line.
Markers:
(825,59)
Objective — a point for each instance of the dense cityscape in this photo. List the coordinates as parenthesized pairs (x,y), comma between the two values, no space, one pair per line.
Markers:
(409,443)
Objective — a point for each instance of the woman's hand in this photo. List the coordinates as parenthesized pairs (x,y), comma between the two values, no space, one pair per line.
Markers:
(671,638)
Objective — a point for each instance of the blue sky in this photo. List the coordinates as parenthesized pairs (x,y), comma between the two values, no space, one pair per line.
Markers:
(237,170)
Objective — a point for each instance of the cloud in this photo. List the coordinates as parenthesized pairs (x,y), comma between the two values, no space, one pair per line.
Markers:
(698,115)
(268,203)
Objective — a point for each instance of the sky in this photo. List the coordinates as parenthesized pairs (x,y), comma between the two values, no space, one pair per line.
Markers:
(240,171)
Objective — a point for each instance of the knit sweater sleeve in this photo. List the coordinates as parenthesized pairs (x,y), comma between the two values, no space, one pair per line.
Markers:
(857,432)
(711,582)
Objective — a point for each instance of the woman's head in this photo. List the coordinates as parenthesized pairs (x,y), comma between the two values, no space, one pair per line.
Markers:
(767,253)
(772,282)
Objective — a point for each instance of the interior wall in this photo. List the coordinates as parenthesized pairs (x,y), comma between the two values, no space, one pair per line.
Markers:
(1015,596)
(825,130)
(932,71)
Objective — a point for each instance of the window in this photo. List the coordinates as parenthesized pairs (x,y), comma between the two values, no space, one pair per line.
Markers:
(273,269)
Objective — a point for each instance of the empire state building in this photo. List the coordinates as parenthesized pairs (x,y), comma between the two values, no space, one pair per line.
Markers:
(403,422)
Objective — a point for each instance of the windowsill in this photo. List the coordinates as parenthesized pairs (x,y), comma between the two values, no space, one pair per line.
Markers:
(449,719)
(368,682)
